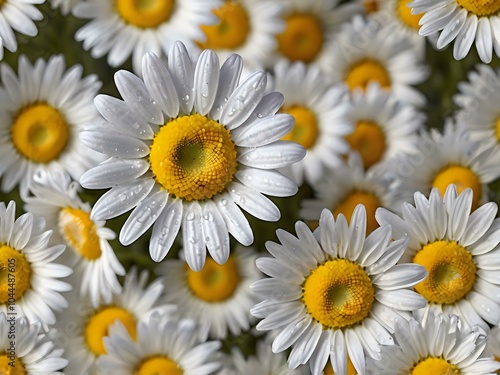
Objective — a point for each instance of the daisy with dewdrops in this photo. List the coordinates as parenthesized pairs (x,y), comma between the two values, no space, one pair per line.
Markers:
(24,249)
(121,28)
(462,21)
(187,146)
(42,112)
(335,293)
(88,252)
(218,297)
(81,330)
(25,350)
(320,112)
(435,344)
(458,249)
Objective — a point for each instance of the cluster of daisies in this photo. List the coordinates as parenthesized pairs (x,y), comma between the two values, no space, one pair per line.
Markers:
(133,223)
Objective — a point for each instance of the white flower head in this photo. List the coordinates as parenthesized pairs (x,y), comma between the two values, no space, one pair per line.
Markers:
(188,145)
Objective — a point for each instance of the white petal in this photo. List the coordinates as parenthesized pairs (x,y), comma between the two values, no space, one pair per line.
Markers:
(400,276)
(236,222)
(290,334)
(21,232)
(215,232)
(326,225)
(402,299)
(265,131)
(114,144)
(206,80)
(452,29)
(181,71)
(338,353)
(484,40)
(302,351)
(114,172)
(192,236)
(276,155)
(355,350)
(229,77)
(165,230)
(478,223)
(357,232)
(486,308)
(465,37)
(267,182)
(254,202)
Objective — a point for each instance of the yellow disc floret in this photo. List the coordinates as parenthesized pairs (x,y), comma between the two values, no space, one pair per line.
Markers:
(15,274)
(145,13)
(369,140)
(193,157)
(434,366)
(6,367)
(339,293)
(481,7)
(158,365)
(404,13)
(232,30)
(98,326)
(306,130)
(452,272)
(40,133)
(350,201)
(80,232)
(215,282)
(366,71)
(462,178)
(302,39)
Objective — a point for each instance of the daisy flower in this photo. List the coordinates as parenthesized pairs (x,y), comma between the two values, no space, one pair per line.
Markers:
(88,251)
(188,145)
(366,51)
(245,27)
(479,112)
(320,112)
(383,126)
(464,21)
(459,250)
(121,28)
(24,350)
(81,329)
(41,114)
(19,16)
(309,30)
(218,297)
(335,293)
(435,344)
(27,266)
(443,159)
(343,188)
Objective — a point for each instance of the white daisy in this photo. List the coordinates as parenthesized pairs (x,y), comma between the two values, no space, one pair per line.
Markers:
(188,146)
(245,27)
(335,293)
(24,349)
(343,188)
(41,114)
(443,159)
(383,125)
(493,345)
(366,51)
(460,251)
(218,297)
(320,112)
(309,30)
(435,344)
(89,253)
(29,283)
(164,345)
(81,329)
(121,28)
(19,16)
(463,21)
(479,112)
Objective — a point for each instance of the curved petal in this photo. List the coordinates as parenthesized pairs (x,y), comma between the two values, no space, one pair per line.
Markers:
(215,232)
(165,229)
(206,80)
(192,236)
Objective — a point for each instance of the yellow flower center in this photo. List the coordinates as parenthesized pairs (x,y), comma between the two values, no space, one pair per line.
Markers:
(348,204)
(6,367)
(306,129)
(15,274)
(145,13)
(452,272)
(193,157)
(40,133)
(497,129)
(302,39)
(369,140)
(463,178)
(404,13)
(480,7)
(158,365)
(339,293)
(366,71)
(434,366)
(371,6)
(231,31)
(80,232)
(215,282)
(350,368)
(98,326)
